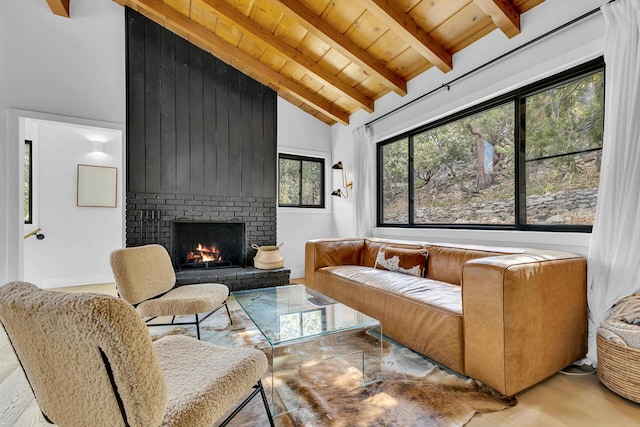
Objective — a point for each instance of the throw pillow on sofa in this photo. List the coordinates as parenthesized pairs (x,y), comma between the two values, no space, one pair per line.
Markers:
(401,260)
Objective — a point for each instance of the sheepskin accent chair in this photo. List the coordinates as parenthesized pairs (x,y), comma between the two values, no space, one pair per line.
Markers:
(145,278)
(90,360)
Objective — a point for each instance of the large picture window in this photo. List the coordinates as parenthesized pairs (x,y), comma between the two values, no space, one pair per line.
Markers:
(301,181)
(529,159)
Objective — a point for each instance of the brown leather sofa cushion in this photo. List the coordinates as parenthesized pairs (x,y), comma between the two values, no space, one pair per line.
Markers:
(423,314)
(445,263)
(336,252)
(440,295)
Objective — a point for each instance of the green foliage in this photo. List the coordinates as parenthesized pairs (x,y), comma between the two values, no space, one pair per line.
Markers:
(311,183)
(561,121)
(440,147)
(300,182)
(566,118)
(395,161)
(449,162)
(395,177)
(447,147)
(289,191)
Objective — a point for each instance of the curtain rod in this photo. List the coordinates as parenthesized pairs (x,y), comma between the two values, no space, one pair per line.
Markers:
(486,64)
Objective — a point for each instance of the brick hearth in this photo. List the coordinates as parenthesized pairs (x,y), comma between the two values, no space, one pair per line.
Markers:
(237,279)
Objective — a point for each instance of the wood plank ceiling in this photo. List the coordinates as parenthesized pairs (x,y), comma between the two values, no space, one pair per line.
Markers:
(334,57)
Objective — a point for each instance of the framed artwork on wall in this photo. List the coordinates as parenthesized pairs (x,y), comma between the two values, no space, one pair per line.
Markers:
(97,186)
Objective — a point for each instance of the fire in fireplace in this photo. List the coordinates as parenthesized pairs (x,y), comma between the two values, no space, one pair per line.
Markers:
(208,245)
(201,254)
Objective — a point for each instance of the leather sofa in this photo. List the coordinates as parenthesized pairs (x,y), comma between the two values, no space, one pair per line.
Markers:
(506,317)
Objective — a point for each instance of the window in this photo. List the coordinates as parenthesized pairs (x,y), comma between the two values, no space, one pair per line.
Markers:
(28,187)
(301,181)
(395,191)
(301,324)
(563,145)
(526,160)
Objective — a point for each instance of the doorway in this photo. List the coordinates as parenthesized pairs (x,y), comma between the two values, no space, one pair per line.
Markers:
(72,244)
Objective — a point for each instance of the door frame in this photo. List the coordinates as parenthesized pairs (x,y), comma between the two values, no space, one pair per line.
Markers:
(15,173)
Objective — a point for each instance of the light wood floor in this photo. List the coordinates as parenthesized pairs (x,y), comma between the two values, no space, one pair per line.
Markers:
(559,401)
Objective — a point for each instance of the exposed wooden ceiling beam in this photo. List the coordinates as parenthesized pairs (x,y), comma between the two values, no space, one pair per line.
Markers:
(407,28)
(503,14)
(180,24)
(264,37)
(59,7)
(321,29)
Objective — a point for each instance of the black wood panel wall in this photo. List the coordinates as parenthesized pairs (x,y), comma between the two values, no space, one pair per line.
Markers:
(195,125)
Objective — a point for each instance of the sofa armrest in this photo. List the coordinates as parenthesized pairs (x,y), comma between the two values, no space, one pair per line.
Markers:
(328,252)
(525,317)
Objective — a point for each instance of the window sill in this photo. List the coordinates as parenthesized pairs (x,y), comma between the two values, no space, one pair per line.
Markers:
(566,241)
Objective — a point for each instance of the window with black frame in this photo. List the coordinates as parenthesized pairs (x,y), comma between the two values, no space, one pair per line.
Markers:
(28,183)
(528,160)
(301,181)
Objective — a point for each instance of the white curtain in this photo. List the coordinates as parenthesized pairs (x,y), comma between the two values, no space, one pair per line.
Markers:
(614,254)
(364,182)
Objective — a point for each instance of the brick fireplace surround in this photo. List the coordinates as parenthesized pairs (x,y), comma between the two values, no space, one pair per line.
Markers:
(258,215)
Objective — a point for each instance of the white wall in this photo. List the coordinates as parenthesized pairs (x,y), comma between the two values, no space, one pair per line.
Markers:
(78,240)
(569,47)
(70,67)
(302,134)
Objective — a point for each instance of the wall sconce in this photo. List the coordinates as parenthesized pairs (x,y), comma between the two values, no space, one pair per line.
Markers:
(97,147)
(347,185)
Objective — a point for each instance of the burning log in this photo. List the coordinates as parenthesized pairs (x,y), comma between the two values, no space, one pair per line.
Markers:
(203,254)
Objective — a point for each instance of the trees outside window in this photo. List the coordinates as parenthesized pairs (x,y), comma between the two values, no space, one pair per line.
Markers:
(528,159)
(301,181)
(463,170)
(395,188)
(563,146)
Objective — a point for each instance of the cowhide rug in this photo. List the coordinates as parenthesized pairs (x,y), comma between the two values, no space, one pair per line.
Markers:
(414,391)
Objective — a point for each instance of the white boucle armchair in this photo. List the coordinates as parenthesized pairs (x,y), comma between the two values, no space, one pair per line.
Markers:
(145,278)
(90,360)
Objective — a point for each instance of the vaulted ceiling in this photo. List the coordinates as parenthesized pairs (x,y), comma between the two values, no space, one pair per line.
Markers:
(333,57)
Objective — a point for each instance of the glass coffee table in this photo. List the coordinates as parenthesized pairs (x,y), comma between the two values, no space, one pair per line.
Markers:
(303,328)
